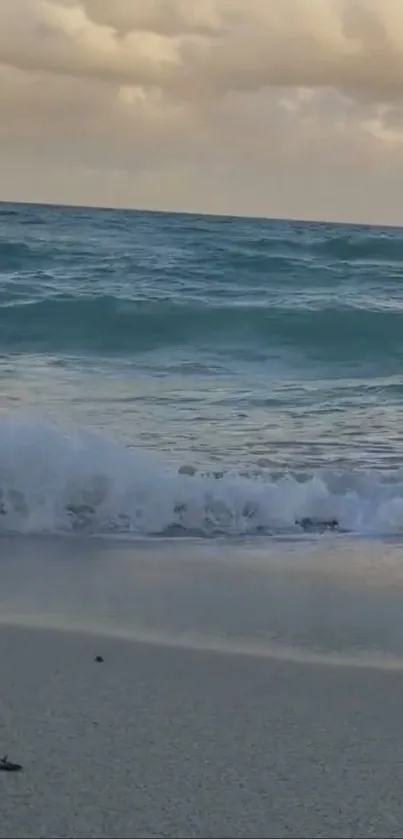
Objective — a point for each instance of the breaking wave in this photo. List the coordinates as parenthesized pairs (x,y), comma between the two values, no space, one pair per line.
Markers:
(52,481)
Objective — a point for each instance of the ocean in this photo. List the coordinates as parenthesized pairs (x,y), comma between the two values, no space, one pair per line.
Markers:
(209,387)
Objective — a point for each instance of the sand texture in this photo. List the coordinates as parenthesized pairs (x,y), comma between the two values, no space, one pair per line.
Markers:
(156,741)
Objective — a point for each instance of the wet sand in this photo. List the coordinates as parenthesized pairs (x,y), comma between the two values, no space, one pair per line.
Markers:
(157,741)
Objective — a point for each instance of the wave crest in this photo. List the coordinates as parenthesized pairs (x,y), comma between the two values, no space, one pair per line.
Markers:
(112,325)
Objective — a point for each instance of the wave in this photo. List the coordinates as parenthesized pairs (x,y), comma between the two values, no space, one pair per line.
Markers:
(375,245)
(82,281)
(52,481)
(107,324)
(253,246)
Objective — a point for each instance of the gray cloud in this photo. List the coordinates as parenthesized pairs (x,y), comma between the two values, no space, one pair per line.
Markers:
(211,46)
(267,106)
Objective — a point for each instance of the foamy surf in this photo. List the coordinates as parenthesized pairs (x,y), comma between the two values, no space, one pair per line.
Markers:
(58,481)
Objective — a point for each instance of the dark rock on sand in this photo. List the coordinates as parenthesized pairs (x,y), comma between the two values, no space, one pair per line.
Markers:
(7,766)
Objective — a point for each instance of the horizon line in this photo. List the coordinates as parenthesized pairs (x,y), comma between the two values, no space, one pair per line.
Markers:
(200,213)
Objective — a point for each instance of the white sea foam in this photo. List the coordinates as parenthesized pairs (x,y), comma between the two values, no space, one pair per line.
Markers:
(57,481)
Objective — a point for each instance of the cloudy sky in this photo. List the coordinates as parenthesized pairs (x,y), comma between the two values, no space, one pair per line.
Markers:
(264,107)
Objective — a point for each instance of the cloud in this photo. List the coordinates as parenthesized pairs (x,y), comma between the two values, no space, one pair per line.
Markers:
(277,106)
(212,47)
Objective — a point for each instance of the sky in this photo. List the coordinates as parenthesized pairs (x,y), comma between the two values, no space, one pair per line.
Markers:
(284,108)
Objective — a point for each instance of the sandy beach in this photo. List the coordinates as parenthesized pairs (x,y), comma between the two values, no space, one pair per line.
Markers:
(157,741)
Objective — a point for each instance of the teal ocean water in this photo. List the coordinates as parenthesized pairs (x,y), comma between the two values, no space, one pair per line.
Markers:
(167,374)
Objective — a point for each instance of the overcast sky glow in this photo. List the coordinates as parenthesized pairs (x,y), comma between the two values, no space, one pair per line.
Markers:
(264,107)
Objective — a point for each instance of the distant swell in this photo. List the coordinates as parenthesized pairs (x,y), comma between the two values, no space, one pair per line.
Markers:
(54,482)
(105,324)
(100,282)
(368,246)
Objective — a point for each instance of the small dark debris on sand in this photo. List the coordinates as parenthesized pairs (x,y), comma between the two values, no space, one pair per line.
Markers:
(311,525)
(98,658)
(7,766)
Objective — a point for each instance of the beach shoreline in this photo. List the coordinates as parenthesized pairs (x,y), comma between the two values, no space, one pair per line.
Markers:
(162,741)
